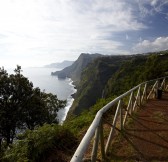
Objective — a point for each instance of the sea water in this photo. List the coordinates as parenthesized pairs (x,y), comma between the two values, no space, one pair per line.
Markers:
(63,88)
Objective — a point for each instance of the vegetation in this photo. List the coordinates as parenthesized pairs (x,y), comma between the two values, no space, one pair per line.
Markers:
(22,106)
(113,75)
(93,81)
(79,124)
(51,142)
(135,71)
(74,71)
(25,107)
(37,145)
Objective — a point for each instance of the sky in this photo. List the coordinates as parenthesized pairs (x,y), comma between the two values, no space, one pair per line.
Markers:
(40,32)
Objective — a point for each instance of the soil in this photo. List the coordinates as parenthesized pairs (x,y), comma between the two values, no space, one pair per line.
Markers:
(145,137)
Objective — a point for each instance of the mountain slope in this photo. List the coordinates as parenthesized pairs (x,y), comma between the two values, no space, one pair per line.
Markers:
(93,81)
(113,75)
(74,71)
(137,70)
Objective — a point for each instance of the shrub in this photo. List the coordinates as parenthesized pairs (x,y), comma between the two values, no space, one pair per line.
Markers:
(37,145)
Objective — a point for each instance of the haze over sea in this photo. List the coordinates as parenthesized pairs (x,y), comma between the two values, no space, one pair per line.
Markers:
(63,88)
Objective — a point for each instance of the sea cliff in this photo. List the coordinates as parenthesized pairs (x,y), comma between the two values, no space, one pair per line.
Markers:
(99,76)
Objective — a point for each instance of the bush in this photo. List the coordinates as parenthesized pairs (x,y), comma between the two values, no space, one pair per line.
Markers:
(39,144)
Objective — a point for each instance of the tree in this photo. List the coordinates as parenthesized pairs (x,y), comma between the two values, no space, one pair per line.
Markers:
(22,106)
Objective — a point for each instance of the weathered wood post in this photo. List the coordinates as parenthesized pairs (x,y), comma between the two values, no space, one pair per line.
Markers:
(95,145)
(102,141)
(121,115)
(136,99)
(113,127)
(129,107)
(140,95)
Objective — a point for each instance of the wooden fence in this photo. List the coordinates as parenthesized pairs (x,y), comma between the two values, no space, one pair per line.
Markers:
(98,139)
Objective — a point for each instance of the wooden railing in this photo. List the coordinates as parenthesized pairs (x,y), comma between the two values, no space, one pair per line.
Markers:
(98,138)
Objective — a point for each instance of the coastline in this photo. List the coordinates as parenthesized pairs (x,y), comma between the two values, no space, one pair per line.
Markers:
(63,88)
(63,112)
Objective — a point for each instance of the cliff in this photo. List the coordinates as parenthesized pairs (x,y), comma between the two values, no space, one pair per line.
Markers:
(113,75)
(93,81)
(74,71)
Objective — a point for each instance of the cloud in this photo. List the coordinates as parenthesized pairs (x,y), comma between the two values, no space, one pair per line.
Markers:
(127,37)
(159,44)
(151,7)
(52,30)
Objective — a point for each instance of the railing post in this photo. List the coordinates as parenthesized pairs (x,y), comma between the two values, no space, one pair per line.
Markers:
(121,115)
(113,127)
(144,94)
(132,101)
(156,88)
(95,145)
(102,141)
(145,91)
(153,89)
(139,95)
(166,87)
(96,128)
(163,84)
(136,99)
(128,108)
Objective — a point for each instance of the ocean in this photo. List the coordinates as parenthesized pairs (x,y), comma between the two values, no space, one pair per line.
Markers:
(63,88)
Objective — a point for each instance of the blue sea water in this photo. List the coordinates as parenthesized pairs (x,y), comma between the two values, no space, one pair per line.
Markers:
(63,88)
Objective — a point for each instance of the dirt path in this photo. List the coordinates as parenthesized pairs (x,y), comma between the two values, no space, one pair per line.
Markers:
(145,138)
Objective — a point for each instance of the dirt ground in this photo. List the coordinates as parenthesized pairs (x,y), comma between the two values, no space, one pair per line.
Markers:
(145,138)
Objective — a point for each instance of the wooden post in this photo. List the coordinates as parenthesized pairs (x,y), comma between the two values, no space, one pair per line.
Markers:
(128,108)
(145,92)
(113,127)
(155,89)
(102,141)
(166,87)
(139,95)
(121,115)
(132,101)
(95,146)
(144,96)
(163,84)
(152,90)
(0,144)
(136,99)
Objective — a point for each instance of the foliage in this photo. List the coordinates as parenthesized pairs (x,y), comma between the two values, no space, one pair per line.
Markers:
(93,81)
(22,106)
(79,124)
(37,145)
(106,76)
(113,75)
(74,71)
(135,71)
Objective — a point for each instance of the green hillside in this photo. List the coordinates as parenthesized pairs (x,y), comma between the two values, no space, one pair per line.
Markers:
(74,71)
(112,75)
(93,81)
(106,77)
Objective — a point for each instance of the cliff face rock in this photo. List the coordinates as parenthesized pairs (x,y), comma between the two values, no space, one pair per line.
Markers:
(93,81)
(98,76)
(74,71)
(113,75)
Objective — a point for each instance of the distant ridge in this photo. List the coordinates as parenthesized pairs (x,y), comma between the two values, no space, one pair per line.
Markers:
(74,71)
(111,76)
(60,65)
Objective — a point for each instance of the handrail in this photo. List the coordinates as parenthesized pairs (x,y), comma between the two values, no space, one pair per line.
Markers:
(143,92)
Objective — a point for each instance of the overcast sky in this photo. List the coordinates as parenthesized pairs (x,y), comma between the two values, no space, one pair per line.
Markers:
(39,32)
